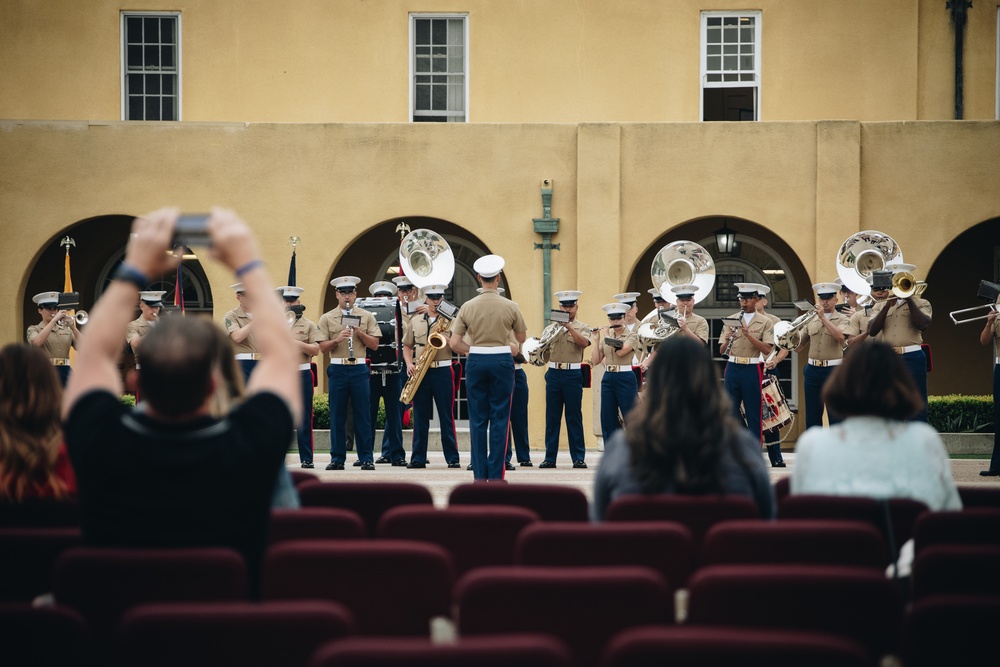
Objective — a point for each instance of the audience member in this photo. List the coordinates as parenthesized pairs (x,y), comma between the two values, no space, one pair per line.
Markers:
(174,474)
(33,459)
(682,438)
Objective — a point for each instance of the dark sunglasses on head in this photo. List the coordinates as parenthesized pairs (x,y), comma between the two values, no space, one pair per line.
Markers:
(346,291)
(616,317)
(50,306)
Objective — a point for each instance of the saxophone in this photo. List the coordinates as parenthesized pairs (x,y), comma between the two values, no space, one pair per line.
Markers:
(436,340)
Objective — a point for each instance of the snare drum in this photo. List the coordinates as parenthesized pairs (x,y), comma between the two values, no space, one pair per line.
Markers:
(774,412)
(384,310)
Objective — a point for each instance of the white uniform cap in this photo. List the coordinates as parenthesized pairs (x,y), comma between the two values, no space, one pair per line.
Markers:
(618,308)
(152,298)
(43,298)
(382,287)
(684,291)
(344,282)
(435,289)
(501,291)
(826,288)
(748,288)
(898,267)
(626,297)
(655,294)
(568,297)
(402,282)
(238,288)
(763,290)
(488,266)
(290,291)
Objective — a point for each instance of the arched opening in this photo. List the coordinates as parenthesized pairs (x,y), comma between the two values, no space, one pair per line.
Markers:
(961,364)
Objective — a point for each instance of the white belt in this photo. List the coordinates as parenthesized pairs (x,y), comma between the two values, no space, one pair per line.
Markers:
(517,367)
(825,362)
(346,362)
(481,349)
(440,364)
(558,365)
(305,367)
(60,362)
(906,349)
(617,369)
(996,360)
(137,367)
(745,360)
(250,356)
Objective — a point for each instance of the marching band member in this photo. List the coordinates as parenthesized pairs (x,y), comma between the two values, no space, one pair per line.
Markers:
(438,385)
(150,307)
(848,299)
(691,325)
(824,337)
(991,334)
(238,323)
(619,387)
(746,347)
(901,323)
(307,338)
(857,324)
(518,434)
(772,437)
(631,324)
(55,334)
(384,383)
(488,319)
(661,306)
(564,384)
(348,374)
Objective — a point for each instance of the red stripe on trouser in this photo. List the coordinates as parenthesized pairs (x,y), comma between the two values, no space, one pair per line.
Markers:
(454,431)
(760,406)
(312,438)
(506,440)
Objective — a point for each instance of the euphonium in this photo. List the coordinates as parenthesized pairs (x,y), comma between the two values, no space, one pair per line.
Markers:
(436,340)
(650,336)
(536,349)
(788,335)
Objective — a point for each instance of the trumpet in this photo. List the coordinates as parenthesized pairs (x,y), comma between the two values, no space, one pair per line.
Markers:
(81,317)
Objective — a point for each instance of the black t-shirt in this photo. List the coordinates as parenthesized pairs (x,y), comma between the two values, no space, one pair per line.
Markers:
(207,482)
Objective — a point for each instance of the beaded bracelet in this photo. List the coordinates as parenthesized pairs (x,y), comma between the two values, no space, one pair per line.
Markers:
(129,274)
(248,267)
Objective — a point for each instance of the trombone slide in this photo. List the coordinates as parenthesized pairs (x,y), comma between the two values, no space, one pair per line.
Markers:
(990,308)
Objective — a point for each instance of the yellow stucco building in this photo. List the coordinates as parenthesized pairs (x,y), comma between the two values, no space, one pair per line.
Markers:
(334,120)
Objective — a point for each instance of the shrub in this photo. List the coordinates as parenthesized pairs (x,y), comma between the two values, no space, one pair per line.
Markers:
(956,413)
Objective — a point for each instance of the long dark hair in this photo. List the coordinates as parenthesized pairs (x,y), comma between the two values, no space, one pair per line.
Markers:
(873,380)
(678,432)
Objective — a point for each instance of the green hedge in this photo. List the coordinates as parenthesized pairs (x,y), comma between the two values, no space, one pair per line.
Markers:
(960,414)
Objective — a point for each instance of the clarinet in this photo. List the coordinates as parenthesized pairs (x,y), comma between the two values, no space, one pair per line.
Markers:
(350,340)
(736,334)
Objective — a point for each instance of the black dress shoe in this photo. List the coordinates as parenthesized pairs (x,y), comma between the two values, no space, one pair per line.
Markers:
(469,467)
(368,466)
(454,464)
(579,464)
(525,464)
(778,464)
(357,464)
(416,464)
(547,464)
(989,473)
(397,463)
(509,466)
(335,466)
(383,459)
(308,464)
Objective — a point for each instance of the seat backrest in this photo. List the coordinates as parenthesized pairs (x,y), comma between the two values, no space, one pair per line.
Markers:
(549,501)
(665,546)
(26,559)
(46,636)
(951,630)
(964,569)
(977,525)
(475,536)
(41,513)
(694,646)
(228,634)
(300,477)
(583,606)
(803,541)
(903,512)
(698,513)
(369,499)
(498,651)
(315,523)
(102,583)
(858,603)
(979,496)
(782,487)
(392,587)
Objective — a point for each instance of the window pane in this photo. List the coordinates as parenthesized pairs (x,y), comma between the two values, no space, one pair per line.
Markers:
(714,36)
(133,29)
(714,63)
(439,79)
(730,20)
(423,98)
(730,35)
(167,53)
(455,64)
(168,84)
(152,84)
(151,30)
(168,109)
(423,31)
(133,57)
(455,36)
(747,77)
(456,97)
(746,34)
(714,77)
(439,50)
(423,51)
(152,108)
(439,32)
(134,108)
(152,57)
(167,31)
(730,77)
(746,49)
(746,62)
(714,20)
(729,63)
(423,64)
(439,101)
(713,49)
(439,64)
(134,83)
(730,49)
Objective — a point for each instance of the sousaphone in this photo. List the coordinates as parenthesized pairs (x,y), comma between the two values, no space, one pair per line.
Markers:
(861,255)
(677,263)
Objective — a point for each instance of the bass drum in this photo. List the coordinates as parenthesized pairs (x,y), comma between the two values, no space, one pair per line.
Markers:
(774,411)
(384,310)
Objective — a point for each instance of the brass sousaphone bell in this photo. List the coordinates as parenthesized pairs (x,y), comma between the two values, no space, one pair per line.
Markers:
(677,263)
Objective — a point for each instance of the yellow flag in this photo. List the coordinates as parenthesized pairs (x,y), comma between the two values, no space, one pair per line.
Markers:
(68,280)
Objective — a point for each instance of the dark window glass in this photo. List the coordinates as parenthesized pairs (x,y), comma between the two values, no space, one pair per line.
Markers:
(423,30)
(135,107)
(152,57)
(152,84)
(151,30)
(168,107)
(167,81)
(439,29)
(167,55)
(135,84)
(167,31)
(133,56)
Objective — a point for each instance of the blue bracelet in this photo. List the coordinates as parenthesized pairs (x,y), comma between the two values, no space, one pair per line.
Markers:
(129,274)
(248,267)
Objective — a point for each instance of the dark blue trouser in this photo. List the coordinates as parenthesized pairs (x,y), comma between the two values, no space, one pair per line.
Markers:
(916,362)
(742,383)
(489,380)
(63,373)
(519,418)
(246,366)
(304,429)
(814,377)
(350,381)
(995,458)
(564,393)
(618,393)
(437,388)
(386,386)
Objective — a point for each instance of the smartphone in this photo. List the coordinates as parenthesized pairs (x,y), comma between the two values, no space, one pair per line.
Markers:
(191,231)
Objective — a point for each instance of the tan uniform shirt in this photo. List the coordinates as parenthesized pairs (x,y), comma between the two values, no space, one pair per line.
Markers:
(488,318)
(57,344)
(760,327)
(821,344)
(237,319)
(858,323)
(330,326)
(305,331)
(137,328)
(415,336)
(611,357)
(564,349)
(698,326)
(898,330)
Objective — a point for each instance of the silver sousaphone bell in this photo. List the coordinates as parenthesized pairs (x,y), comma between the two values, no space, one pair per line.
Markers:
(426,258)
(861,255)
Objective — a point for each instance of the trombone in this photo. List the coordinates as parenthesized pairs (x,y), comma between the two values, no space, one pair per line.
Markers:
(990,308)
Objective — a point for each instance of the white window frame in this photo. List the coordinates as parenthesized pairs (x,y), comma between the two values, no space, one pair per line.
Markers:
(703,61)
(122,46)
(996,86)
(411,80)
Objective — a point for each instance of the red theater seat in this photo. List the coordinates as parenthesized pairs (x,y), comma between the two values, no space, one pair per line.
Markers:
(369,499)
(549,501)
